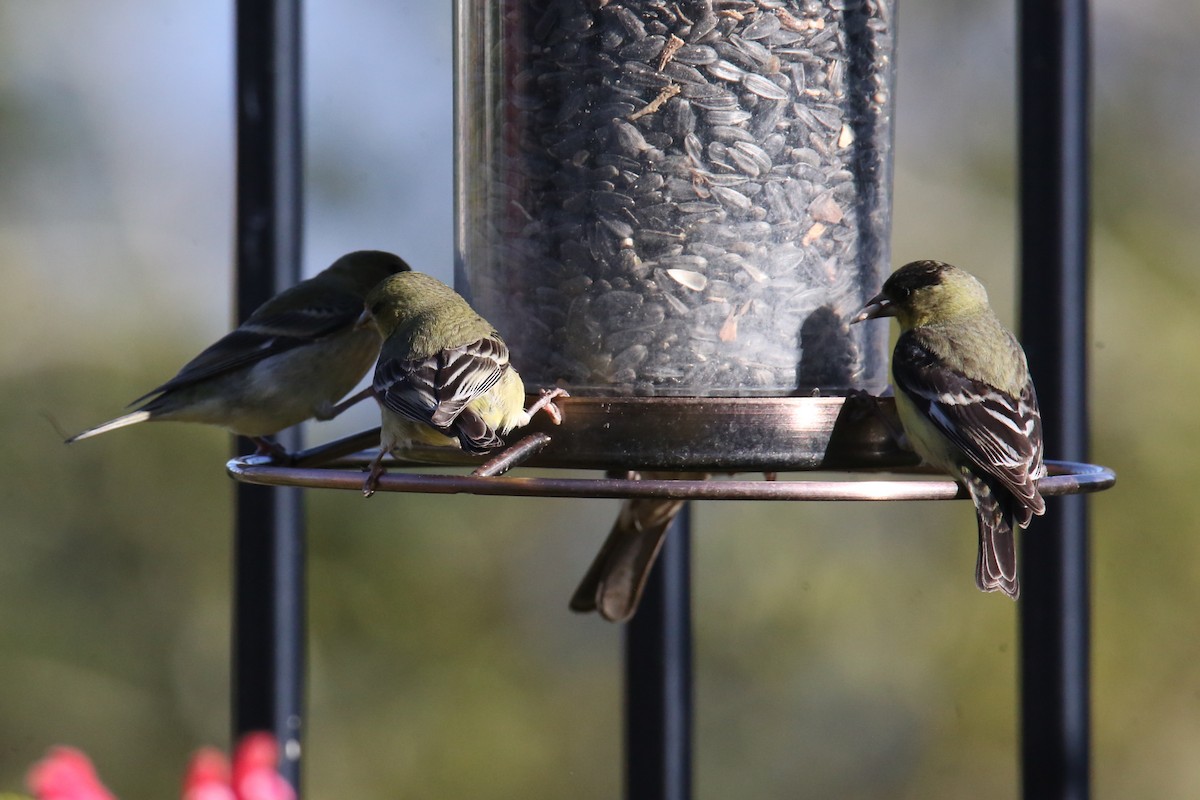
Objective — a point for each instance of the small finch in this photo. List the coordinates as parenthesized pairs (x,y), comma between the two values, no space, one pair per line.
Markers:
(443,376)
(967,403)
(291,360)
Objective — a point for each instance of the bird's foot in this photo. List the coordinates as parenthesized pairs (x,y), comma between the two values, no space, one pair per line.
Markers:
(377,470)
(273,450)
(862,404)
(546,403)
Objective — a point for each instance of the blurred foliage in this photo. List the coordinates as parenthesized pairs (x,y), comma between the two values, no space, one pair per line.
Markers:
(842,649)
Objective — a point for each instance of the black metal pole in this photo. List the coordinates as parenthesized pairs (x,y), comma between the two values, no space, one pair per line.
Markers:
(1054,218)
(268,625)
(658,676)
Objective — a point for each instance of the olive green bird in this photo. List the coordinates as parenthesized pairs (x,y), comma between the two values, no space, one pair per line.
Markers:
(443,376)
(967,403)
(291,360)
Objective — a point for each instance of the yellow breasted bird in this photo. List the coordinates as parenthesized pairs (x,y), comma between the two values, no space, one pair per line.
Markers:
(443,376)
(967,403)
(292,359)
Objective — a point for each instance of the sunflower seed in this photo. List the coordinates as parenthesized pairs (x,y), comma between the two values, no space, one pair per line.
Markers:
(763,87)
(643,49)
(725,70)
(692,280)
(697,55)
(731,197)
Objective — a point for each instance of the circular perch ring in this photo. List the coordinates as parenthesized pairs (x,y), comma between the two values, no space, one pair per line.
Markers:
(849,438)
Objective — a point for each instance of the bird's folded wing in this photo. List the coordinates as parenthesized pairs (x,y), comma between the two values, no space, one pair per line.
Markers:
(437,389)
(273,329)
(999,433)
(465,373)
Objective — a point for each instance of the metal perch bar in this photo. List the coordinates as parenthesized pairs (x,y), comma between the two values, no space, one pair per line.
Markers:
(513,456)
(1065,478)
(846,437)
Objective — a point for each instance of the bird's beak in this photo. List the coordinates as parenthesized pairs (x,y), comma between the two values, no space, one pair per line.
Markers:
(364,319)
(878,306)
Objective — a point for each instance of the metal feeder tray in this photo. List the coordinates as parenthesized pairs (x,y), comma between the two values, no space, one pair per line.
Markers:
(851,437)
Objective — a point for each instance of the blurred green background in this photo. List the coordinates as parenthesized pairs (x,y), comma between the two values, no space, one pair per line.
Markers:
(843,650)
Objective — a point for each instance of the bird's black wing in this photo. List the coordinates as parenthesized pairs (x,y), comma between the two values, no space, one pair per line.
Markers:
(436,390)
(294,318)
(999,433)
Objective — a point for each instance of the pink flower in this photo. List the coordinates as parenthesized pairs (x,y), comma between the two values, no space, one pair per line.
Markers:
(208,777)
(66,774)
(254,775)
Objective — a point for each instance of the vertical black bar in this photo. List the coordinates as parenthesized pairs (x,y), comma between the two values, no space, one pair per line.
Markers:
(1054,217)
(268,638)
(658,676)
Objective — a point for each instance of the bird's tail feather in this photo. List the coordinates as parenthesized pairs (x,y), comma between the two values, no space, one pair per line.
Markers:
(614,583)
(996,565)
(473,433)
(132,418)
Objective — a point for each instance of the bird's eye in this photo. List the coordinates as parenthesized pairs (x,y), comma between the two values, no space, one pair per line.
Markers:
(902,292)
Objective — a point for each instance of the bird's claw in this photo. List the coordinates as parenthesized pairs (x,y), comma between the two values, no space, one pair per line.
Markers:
(546,403)
(862,405)
(372,481)
(273,450)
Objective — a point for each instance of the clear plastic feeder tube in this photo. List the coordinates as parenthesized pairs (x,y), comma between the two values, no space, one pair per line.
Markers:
(677,197)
